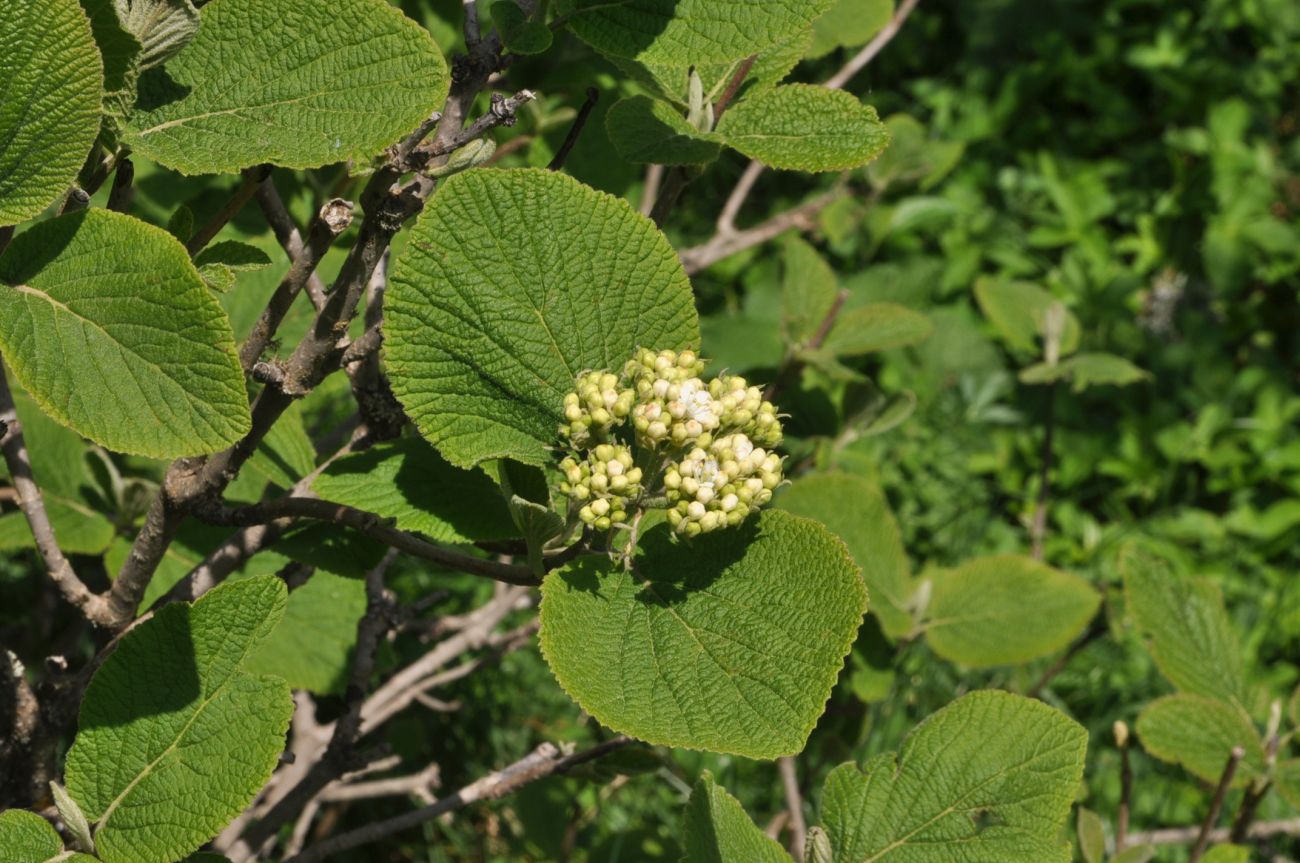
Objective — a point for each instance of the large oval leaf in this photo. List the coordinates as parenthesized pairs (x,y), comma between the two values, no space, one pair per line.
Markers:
(1199,733)
(717,830)
(106,323)
(312,86)
(802,127)
(684,32)
(175,738)
(514,282)
(26,837)
(49,102)
(1006,609)
(730,643)
(989,777)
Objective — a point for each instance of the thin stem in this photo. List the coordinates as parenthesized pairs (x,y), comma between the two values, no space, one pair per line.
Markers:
(119,197)
(1184,835)
(32,504)
(790,368)
(794,805)
(869,51)
(1038,528)
(654,175)
(1095,631)
(545,760)
(287,233)
(575,130)
(733,86)
(801,218)
(1216,804)
(253,178)
(1125,787)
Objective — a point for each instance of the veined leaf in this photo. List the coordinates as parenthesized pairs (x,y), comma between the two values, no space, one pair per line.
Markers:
(409,482)
(1199,733)
(989,777)
(682,32)
(717,830)
(312,645)
(163,27)
(849,23)
(856,511)
(730,643)
(309,89)
(803,127)
(1186,627)
(79,529)
(1091,832)
(648,130)
(120,51)
(107,325)
(514,282)
(145,753)
(519,33)
(876,327)
(49,103)
(26,837)
(1006,609)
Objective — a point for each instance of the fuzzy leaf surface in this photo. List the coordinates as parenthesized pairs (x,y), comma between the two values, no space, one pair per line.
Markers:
(514,282)
(989,777)
(107,325)
(855,510)
(684,32)
(802,127)
(717,829)
(1006,609)
(309,89)
(26,837)
(1186,628)
(312,645)
(175,738)
(648,130)
(408,481)
(1199,733)
(729,644)
(49,104)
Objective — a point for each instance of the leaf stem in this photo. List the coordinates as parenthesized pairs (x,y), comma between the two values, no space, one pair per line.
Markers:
(1216,804)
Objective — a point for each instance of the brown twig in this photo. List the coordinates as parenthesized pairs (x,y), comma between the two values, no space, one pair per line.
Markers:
(793,805)
(253,178)
(733,87)
(32,504)
(561,155)
(1184,835)
(1125,786)
(369,524)
(287,233)
(801,218)
(1258,789)
(119,197)
(1216,803)
(545,760)
(792,364)
(1094,631)
(1038,528)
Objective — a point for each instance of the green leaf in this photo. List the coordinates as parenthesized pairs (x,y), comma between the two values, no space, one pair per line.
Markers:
(1092,836)
(408,481)
(1186,628)
(849,23)
(286,454)
(648,130)
(342,551)
(1199,733)
(1006,609)
(310,89)
(28,838)
(1018,310)
(311,648)
(74,820)
(672,82)
(163,27)
(236,256)
(513,283)
(79,529)
(817,848)
(803,127)
(145,753)
(519,34)
(808,289)
(730,643)
(109,328)
(121,55)
(49,104)
(1227,854)
(989,777)
(876,327)
(1286,776)
(683,32)
(717,830)
(1086,370)
(55,452)
(912,156)
(856,511)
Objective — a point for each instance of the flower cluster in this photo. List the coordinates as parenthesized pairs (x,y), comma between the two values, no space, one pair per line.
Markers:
(708,442)
(604,483)
(720,485)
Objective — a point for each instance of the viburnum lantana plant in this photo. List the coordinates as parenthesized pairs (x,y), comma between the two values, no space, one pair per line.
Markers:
(251,440)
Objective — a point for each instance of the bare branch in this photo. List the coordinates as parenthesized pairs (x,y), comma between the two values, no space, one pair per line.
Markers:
(287,233)
(733,87)
(1184,835)
(872,48)
(1216,804)
(793,805)
(654,175)
(253,178)
(801,218)
(119,197)
(32,504)
(545,760)
(575,130)
(418,784)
